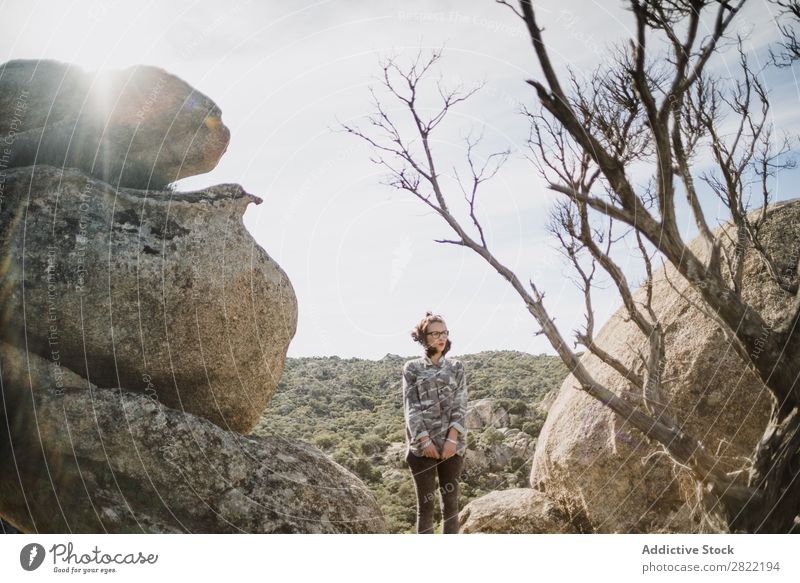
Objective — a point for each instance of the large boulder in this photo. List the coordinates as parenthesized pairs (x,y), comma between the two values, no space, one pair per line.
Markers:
(88,460)
(591,462)
(515,511)
(163,293)
(34,93)
(140,127)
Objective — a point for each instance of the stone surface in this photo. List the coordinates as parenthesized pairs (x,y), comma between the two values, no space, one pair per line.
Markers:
(515,511)
(483,413)
(595,465)
(163,293)
(33,370)
(139,127)
(496,457)
(106,460)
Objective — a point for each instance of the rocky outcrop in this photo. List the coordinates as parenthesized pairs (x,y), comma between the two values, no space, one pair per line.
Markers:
(496,457)
(483,413)
(89,460)
(593,464)
(157,292)
(140,127)
(146,330)
(515,511)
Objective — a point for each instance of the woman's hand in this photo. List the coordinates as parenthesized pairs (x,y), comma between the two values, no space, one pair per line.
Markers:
(449,449)
(430,450)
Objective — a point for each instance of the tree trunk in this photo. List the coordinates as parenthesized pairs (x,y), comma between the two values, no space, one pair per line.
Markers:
(776,475)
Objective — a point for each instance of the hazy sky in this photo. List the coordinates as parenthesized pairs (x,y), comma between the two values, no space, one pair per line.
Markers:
(360,256)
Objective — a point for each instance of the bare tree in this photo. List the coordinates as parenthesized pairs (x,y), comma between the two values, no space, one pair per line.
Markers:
(659,113)
(787,51)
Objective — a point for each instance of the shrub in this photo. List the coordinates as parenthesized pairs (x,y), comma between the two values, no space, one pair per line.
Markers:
(491,436)
(325,440)
(372,444)
(532,428)
(517,407)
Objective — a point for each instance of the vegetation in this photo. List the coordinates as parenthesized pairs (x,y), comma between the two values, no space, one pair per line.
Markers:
(352,410)
(622,143)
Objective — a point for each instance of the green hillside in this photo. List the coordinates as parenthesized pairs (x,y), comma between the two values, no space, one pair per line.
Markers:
(352,410)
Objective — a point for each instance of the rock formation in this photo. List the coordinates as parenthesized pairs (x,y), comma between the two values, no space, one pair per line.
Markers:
(88,460)
(140,127)
(156,292)
(496,457)
(515,511)
(144,330)
(483,413)
(495,454)
(596,466)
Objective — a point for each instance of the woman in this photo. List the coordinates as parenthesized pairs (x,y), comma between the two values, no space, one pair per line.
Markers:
(435,404)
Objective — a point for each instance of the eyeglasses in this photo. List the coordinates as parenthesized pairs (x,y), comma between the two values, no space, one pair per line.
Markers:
(438,335)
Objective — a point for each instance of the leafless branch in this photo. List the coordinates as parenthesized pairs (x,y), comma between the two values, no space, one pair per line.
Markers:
(659,112)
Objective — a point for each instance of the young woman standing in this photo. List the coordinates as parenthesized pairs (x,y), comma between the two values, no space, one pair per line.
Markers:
(435,405)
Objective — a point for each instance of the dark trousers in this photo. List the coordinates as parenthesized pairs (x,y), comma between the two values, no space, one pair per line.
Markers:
(424,471)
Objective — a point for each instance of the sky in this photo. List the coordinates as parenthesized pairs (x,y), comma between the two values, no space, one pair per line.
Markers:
(362,257)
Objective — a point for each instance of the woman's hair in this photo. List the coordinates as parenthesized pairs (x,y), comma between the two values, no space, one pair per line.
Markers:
(418,334)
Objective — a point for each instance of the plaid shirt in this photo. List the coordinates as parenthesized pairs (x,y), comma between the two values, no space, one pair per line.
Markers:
(434,400)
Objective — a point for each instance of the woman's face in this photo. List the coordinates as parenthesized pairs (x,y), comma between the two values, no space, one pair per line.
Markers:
(436,329)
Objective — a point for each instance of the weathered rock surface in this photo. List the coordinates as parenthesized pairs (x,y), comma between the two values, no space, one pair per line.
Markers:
(158,292)
(35,371)
(496,457)
(483,413)
(140,127)
(106,460)
(515,511)
(597,466)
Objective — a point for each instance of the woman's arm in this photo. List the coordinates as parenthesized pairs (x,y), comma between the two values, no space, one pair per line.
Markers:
(459,409)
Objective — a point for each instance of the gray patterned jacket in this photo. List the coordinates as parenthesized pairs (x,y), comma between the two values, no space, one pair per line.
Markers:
(434,400)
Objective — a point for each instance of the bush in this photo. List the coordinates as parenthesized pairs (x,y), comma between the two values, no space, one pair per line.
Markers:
(395,436)
(518,422)
(491,436)
(517,407)
(532,428)
(343,457)
(372,444)
(325,440)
